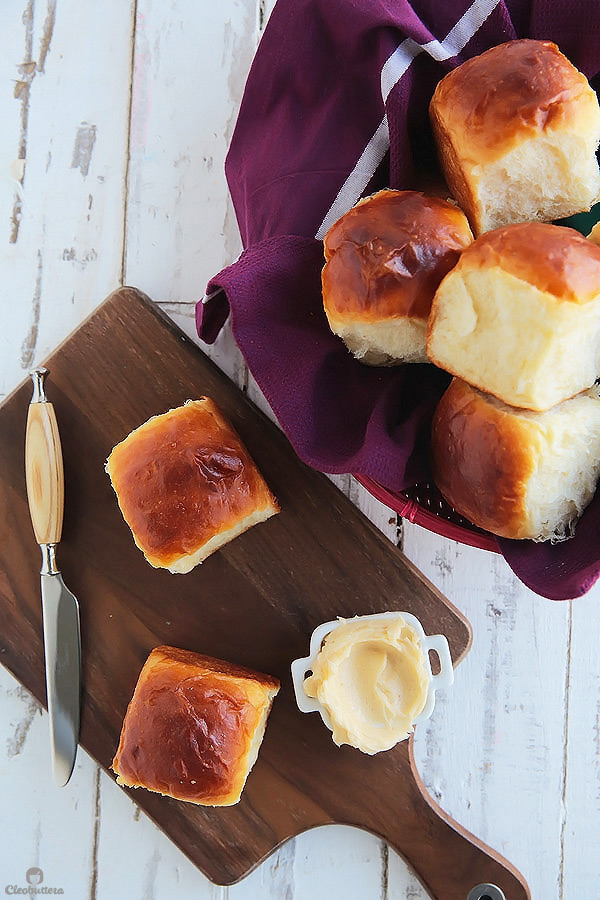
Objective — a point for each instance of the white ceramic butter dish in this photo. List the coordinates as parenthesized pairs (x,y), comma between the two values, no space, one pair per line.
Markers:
(437,643)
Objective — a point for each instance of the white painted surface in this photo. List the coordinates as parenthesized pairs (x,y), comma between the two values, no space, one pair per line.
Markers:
(116,118)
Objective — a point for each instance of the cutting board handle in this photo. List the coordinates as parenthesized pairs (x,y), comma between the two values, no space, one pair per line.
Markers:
(44,465)
(449,860)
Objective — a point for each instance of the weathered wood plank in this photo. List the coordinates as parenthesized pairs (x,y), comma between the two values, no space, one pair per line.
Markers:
(152,865)
(65,118)
(42,825)
(181,228)
(333,861)
(580,819)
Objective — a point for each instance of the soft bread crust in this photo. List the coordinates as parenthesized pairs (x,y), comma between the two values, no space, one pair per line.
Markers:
(186,485)
(193,727)
(515,473)
(517,130)
(519,315)
(384,261)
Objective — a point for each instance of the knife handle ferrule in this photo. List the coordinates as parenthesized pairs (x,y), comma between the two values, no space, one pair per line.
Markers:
(38,376)
(49,566)
(44,465)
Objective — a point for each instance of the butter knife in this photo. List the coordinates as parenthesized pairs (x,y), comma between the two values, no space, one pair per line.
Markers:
(62,644)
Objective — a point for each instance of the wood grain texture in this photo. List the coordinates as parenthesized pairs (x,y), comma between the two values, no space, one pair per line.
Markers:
(259,601)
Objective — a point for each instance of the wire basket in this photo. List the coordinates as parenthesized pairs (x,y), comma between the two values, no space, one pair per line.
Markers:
(424,505)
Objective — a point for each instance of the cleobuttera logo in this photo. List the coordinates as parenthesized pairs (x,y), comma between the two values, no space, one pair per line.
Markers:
(34,878)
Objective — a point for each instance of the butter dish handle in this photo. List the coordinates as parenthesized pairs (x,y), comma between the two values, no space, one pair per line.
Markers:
(444,678)
(300,668)
(439,644)
(305,703)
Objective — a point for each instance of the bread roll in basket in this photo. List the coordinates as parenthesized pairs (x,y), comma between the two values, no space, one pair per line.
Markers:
(519,315)
(517,129)
(516,473)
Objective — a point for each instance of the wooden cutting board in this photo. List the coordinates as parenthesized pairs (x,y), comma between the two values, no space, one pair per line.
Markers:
(255,602)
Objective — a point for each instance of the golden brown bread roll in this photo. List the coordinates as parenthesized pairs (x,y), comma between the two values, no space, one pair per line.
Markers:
(516,473)
(594,235)
(194,727)
(519,315)
(186,485)
(384,260)
(517,130)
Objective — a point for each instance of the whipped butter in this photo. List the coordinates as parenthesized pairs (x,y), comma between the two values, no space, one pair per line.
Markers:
(372,678)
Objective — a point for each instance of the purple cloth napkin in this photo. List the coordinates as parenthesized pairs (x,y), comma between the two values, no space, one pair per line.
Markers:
(335,107)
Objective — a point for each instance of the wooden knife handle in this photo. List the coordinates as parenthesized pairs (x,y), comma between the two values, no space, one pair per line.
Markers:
(44,465)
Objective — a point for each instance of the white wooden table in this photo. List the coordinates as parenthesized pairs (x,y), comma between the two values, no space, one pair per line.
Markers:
(116,116)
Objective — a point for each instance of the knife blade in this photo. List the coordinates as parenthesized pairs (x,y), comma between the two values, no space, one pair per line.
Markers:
(62,642)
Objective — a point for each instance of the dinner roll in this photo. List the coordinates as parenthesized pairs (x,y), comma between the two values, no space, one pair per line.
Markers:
(516,473)
(194,727)
(186,485)
(517,130)
(519,316)
(594,235)
(384,260)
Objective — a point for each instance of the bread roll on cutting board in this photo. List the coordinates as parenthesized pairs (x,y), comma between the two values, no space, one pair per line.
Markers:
(384,261)
(194,727)
(519,315)
(517,130)
(516,473)
(186,485)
